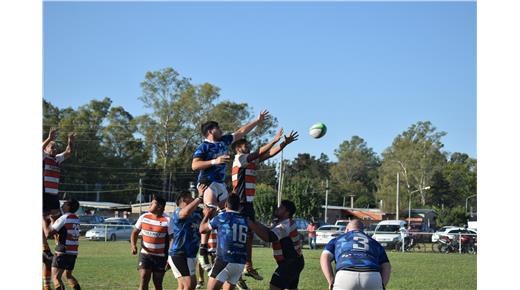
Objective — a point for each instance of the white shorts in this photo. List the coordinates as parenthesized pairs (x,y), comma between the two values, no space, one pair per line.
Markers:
(226,272)
(350,280)
(182,266)
(219,191)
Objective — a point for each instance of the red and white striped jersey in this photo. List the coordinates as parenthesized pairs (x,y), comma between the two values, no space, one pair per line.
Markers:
(67,227)
(51,172)
(244,177)
(289,242)
(212,241)
(155,232)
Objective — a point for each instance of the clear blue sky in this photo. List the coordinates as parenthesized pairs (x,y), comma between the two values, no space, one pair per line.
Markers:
(367,69)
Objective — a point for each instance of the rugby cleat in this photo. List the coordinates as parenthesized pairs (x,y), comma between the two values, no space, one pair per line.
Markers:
(253,273)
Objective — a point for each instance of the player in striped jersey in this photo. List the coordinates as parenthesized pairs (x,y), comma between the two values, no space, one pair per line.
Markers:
(67,229)
(287,247)
(156,229)
(244,181)
(51,203)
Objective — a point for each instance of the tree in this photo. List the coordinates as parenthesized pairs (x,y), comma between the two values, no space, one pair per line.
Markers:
(416,155)
(356,170)
(307,195)
(455,216)
(265,202)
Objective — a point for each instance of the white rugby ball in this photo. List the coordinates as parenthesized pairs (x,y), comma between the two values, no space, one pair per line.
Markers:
(318,130)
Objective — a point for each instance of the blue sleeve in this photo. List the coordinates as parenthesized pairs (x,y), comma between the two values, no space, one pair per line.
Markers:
(227,139)
(175,217)
(200,152)
(214,223)
(331,246)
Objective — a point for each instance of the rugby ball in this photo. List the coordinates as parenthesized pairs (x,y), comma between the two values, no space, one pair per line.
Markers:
(318,130)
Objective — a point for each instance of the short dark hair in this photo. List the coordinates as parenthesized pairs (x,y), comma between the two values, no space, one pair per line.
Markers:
(208,126)
(182,195)
(238,143)
(161,201)
(289,206)
(233,201)
(73,204)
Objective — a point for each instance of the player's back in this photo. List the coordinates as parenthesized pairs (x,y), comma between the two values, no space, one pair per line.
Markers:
(357,251)
(232,230)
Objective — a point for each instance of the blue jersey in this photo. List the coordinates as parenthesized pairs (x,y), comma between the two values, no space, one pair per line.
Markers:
(356,251)
(186,237)
(232,233)
(210,150)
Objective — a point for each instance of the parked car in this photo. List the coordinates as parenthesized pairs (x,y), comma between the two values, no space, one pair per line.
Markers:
(455,232)
(341,223)
(301,225)
(371,229)
(326,233)
(87,222)
(439,232)
(113,229)
(387,232)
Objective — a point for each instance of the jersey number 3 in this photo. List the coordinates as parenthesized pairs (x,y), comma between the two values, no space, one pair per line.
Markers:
(360,243)
(240,232)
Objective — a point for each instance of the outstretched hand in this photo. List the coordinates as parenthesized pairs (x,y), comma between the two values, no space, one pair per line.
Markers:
(53,132)
(293,136)
(278,136)
(263,115)
(201,189)
(72,137)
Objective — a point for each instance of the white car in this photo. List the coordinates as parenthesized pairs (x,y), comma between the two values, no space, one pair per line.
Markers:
(439,232)
(326,233)
(114,229)
(453,232)
(387,232)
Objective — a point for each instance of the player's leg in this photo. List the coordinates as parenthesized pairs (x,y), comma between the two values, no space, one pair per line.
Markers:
(158,277)
(228,286)
(46,275)
(200,276)
(249,211)
(234,271)
(214,284)
(218,275)
(56,278)
(145,276)
(73,282)
(210,199)
(184,271)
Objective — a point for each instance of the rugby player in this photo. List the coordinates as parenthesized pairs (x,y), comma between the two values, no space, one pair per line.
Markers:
(232,231)
(244,181)
(66,228)
(210,159)
(156,230)
(361,262)
(287,247)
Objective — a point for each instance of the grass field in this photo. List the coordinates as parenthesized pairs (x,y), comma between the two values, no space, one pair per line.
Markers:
(110,265)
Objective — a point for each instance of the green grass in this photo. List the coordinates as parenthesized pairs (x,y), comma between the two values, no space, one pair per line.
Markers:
(110,265)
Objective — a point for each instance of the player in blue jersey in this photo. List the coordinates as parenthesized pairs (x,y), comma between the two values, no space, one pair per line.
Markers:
(210,159)
(361,262)
(185,243)
(231,244)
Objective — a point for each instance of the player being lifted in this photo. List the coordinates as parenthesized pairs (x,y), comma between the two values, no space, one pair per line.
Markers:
(210,159)
(231,246)
(51,201)
(244,181)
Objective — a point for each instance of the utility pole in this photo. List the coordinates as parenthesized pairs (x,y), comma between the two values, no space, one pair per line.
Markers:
(140,196)
(397,200)
(280,181)
(326,198)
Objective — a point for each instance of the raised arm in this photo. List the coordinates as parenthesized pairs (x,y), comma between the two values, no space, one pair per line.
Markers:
(192,206)
(326,268)
(240,133)
(262,231)
(293,136)
(264,149)
(70,144)
(199,164)
(52,136)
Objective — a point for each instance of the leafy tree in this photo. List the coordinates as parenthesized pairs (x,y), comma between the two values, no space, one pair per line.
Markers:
(356,170)
(416,154)
(307,195)
(451,216)
(265,202)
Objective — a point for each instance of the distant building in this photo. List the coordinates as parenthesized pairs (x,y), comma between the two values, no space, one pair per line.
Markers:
(368,215)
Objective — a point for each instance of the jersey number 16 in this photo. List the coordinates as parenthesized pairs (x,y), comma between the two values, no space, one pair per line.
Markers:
(240,232)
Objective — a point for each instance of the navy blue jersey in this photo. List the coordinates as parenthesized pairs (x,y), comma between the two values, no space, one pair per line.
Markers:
(232,232)
(186,237)
(211,150)
(356,251)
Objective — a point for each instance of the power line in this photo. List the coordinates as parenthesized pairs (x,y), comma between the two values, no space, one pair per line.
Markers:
(96,191)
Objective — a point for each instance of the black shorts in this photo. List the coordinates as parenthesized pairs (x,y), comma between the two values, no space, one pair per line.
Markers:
(64,261)
(247,209)
(50,202)
(151,262)
(287,275)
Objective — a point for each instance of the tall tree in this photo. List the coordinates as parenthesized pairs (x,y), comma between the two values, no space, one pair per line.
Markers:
(356,170)
(416,155)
